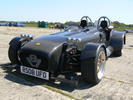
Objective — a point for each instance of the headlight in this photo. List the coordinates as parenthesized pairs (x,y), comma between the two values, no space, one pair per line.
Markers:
(73,41)
(26,35)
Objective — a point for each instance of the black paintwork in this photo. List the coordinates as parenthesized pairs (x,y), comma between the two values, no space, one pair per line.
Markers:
(54,54)
(15,41)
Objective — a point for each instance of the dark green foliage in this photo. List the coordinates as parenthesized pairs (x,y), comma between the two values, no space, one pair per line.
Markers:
(71,23)
(121,26)
(117,25)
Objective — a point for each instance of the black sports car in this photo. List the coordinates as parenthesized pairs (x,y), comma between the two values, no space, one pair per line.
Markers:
(84,49)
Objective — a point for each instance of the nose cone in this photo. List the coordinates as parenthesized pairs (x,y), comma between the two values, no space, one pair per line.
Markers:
(47,49)
(45,43)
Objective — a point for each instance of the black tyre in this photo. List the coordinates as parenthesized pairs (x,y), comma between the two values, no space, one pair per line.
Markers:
(92,70)
(13,54)
(117,53)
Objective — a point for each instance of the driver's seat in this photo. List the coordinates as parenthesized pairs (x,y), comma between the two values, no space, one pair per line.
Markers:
(103,24)
(83,23)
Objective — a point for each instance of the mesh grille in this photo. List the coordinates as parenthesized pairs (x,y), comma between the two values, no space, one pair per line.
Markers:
(24,56)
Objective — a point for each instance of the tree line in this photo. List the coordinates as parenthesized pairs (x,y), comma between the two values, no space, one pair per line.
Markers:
(116,24)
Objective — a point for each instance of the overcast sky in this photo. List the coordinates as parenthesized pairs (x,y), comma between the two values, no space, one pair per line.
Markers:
(66,10)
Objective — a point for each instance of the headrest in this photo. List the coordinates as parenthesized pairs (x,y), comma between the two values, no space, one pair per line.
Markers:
(83,23)
(103,24)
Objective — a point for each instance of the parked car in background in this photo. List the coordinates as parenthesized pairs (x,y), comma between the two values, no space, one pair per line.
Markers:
(129,31)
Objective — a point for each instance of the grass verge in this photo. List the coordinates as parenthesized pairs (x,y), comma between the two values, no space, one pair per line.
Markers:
(31,25)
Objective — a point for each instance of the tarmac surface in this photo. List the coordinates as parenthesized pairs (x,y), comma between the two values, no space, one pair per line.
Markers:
(117,83)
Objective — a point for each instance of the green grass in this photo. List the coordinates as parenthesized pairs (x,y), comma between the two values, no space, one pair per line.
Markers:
(31,25)
(123,28)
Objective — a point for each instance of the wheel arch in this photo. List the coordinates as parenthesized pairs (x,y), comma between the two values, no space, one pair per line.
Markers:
(15,41)
(91,49)
(118,39)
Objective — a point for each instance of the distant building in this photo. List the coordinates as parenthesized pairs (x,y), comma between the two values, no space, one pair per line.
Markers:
(43,24)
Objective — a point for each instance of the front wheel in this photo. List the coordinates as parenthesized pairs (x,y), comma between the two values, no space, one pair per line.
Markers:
(92,69)
(13,55)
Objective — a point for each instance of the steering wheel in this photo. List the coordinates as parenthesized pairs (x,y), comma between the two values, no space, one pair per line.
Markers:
(103,20)
(86,20)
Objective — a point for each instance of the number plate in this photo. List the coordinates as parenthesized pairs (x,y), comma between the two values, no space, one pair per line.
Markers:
(34,72)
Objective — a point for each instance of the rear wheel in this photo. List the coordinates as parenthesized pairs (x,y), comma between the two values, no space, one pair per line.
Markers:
(92,69)
(117,53)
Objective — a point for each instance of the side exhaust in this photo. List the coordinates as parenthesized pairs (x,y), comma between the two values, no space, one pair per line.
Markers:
(109,50)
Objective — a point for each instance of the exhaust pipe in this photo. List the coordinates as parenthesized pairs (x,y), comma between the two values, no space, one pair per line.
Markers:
(109,50)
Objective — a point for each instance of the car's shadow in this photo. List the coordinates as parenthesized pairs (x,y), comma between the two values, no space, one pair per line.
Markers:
(17,77)
(130,45)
